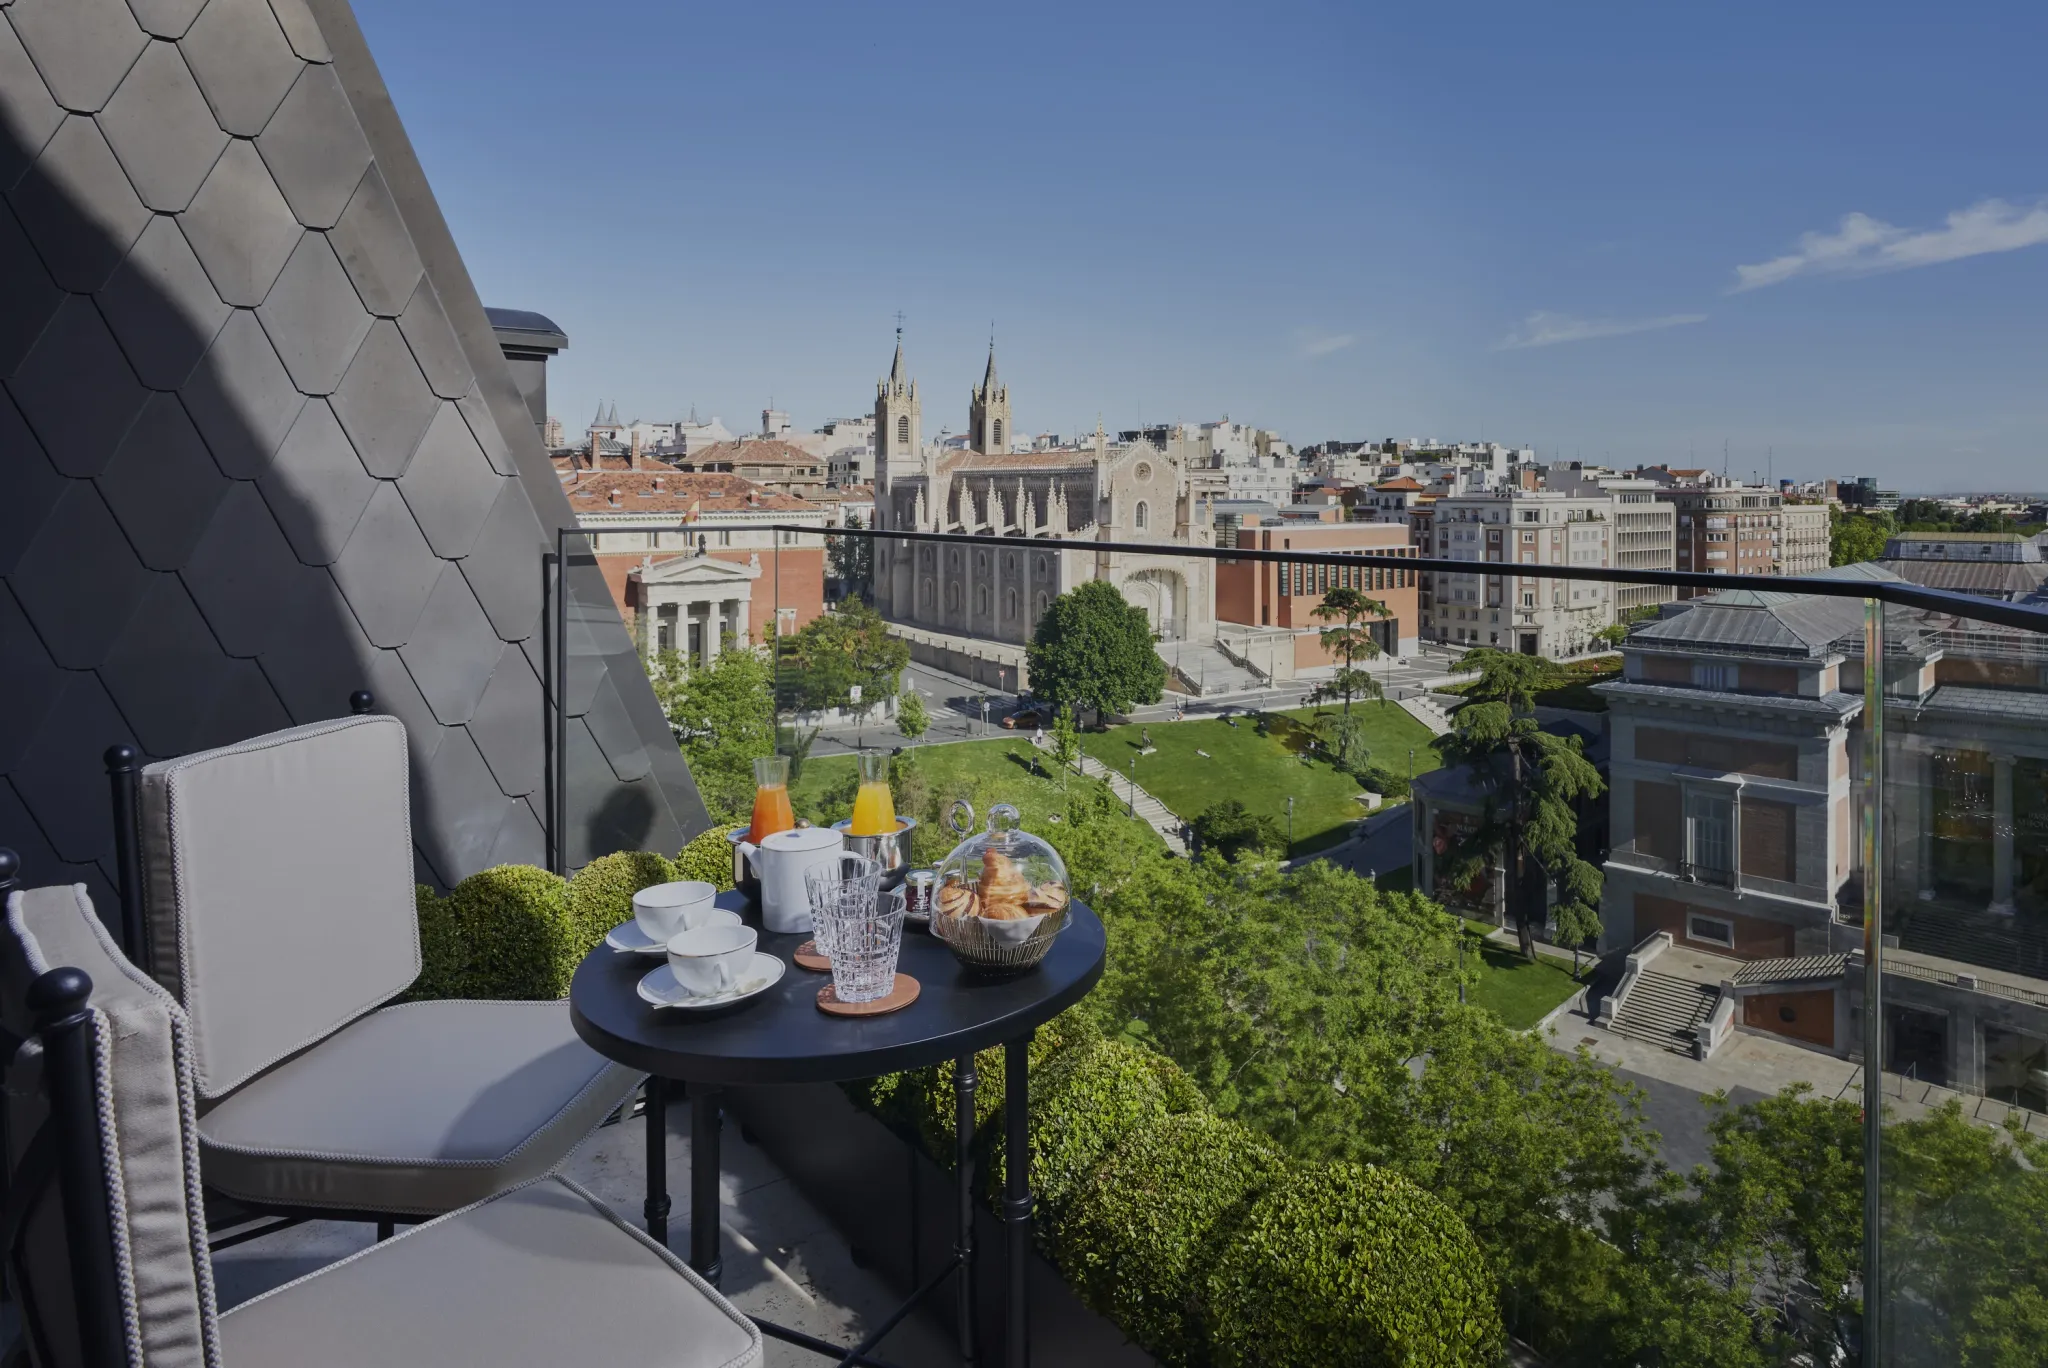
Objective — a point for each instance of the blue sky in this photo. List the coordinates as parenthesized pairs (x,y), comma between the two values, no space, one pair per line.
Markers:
(1615,231)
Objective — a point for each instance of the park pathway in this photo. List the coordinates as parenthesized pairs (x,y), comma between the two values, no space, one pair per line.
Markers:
(1142,804)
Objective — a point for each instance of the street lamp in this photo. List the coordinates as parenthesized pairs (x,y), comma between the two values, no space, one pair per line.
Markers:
(1290,824)
(1131,798)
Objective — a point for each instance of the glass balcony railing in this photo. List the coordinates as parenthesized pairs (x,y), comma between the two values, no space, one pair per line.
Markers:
(1789,886)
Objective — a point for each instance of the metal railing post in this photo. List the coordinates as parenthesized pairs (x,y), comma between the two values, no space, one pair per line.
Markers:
(1873,978)
(123,764)
(560,853)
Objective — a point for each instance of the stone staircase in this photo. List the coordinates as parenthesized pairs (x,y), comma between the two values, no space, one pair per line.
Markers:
(1663,1009)
(1426,710)
(1205,670)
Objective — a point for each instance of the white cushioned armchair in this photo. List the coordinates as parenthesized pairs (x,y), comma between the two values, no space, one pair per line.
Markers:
(279,901)
(542,1274)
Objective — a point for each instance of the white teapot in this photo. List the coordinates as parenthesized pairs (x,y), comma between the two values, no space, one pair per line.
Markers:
(780,863)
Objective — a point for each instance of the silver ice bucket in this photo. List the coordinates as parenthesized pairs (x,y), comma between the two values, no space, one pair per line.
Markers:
(891,849)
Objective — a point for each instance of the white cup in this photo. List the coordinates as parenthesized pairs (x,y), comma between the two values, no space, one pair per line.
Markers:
(711,958)
(663,910)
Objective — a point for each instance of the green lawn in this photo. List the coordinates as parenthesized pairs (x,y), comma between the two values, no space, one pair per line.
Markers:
(1518,992)
(996,764)
(1263,771)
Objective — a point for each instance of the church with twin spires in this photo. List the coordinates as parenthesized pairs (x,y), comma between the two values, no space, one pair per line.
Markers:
(965,605)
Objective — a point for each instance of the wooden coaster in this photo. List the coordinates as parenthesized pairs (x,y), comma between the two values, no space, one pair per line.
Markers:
(807,957)
(901,996)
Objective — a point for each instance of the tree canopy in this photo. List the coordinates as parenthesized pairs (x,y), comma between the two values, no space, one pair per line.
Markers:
(836,651)
(1094,650)
(1344,608)
(1529,827)
(1857,537)
(721,719)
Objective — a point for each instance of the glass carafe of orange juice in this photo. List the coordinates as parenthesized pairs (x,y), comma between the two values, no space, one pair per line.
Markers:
(772,812)
(874,807)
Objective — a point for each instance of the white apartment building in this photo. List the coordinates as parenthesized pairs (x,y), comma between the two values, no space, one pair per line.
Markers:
(1525,612)
(1645,528)
(1802,539)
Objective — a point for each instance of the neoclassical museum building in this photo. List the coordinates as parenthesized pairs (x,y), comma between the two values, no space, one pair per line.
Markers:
(973,609)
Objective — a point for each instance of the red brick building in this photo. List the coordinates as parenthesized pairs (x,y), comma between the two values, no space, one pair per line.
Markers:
(1279,595)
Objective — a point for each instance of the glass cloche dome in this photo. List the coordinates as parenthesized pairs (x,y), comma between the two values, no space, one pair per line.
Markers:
(1002,895)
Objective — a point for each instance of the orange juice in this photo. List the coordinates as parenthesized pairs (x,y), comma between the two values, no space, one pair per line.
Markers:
(772,812)
(771,798)
(874,810)
(874,807)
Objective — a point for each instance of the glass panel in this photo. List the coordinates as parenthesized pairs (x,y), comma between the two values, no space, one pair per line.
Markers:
(1963,1173)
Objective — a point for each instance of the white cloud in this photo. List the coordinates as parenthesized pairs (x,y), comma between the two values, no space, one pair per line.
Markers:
(1314,344)
(1863,245)
(1550,329)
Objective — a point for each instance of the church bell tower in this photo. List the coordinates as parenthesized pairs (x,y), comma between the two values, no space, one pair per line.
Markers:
(988,411)
(898,422)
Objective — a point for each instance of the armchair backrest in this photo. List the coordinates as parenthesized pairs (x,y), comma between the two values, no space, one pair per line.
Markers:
(278,888)
(152,1292)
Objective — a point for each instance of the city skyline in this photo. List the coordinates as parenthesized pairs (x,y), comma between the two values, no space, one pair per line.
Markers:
(1611,236)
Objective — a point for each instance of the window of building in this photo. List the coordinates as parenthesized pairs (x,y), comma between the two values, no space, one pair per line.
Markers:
(1713,675)
(903,432)
(996,435)
(1712,930)
(1138,518)
(1710,834)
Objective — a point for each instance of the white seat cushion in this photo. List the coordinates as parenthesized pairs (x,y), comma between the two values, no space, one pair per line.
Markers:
(416,1109)
(543,1275)
(278,888)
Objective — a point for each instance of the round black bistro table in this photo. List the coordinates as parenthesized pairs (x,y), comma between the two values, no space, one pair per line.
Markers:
(780,1036)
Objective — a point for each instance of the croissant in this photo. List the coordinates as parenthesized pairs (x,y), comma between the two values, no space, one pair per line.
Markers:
(1046,897)
(957,900)
(1004,889)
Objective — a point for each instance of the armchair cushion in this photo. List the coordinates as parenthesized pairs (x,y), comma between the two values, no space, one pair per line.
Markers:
(418,1108)
(543,1275)
(142,1058)
(278,888)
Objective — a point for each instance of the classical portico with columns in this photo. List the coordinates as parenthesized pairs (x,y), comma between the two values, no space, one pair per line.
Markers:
(691,604)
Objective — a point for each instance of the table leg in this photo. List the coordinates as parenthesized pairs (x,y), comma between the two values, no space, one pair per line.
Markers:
(655,1208)
(1017,1199)
(705,1118)
(963,1171)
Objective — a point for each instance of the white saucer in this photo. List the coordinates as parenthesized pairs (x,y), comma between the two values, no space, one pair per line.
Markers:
(660,988)
(628,938)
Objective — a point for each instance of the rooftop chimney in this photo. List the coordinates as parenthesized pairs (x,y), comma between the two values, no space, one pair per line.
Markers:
(615,498)
(636,450)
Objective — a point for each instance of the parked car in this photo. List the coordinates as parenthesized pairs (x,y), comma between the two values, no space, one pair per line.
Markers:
(1030,715)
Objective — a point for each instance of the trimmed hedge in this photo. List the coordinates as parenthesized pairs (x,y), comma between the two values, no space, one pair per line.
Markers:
(519,932)
(1340,1263)
(502,933)
(709,858)
(1084,1102)
(601,894)
(1138,1239)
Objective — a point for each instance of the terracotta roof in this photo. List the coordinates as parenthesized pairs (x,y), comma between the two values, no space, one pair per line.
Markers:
(644,491)
(753,451)
(1063,458)
(1399,484)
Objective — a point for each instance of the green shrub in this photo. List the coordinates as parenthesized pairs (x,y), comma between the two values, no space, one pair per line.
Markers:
(601,893)
(1138,1239)
(1082,1105)
(709,858)
(441,950)
(925,1099)
(1347,1264)
(509,934)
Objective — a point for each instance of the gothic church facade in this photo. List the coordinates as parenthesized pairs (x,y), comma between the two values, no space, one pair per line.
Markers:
(1065,498)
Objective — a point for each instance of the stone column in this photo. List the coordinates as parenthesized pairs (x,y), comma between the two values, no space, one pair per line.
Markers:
(2001,834)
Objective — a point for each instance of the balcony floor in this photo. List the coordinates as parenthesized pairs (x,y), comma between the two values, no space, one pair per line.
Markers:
(783,1260)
